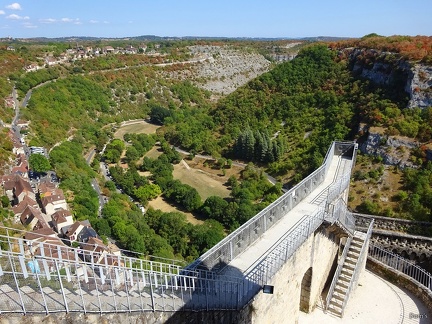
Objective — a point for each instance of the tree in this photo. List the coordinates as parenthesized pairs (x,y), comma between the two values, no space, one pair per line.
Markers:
(39,163)
(206,235)
(158,114)
(147,192)
(5,201)
(132,154)
(215,207)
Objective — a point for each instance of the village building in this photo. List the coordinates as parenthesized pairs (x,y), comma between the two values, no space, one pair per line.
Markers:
(61,221)
(53,202)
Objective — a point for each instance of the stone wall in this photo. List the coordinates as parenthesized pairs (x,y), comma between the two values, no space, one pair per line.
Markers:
(402,226)
(315,257)
(392,235)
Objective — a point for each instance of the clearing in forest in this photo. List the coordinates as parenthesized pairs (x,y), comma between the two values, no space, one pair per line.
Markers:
(136,127)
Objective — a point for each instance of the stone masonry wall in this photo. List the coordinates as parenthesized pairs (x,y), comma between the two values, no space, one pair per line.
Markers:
(318,253)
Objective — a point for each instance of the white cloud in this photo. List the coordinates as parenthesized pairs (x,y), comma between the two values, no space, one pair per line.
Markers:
(16,17)
(2,12)
(29,25)
(94,21)
(48,20)
(14,6)
(75,21)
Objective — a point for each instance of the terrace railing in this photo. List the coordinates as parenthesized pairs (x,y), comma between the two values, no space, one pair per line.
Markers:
(46,277)
(398,263)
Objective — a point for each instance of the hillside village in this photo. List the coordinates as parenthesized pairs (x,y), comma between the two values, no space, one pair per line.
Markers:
(40,206)
(82,53)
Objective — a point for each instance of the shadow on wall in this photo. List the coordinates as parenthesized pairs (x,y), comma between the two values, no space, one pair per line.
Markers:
(218,297)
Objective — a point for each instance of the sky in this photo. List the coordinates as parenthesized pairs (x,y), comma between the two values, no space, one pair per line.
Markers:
(216,18)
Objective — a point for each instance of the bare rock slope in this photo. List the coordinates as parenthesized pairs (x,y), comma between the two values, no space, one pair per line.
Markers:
(222,69)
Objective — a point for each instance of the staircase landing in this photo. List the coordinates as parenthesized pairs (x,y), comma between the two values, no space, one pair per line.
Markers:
(374,301)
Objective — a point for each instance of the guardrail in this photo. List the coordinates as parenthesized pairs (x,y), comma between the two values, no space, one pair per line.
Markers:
(46,284)
(239,240)
(266,267)
(47,277)
(398,263)
(338,271)
(51,247)
(343,217)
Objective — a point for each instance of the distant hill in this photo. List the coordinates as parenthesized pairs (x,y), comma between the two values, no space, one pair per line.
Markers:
(167,38)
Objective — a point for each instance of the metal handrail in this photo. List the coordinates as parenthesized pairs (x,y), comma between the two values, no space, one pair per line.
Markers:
(12,232)
(402,265)
(357,268)
(262,271)
(227,249)
(50,251)
(338,272)
(157,286)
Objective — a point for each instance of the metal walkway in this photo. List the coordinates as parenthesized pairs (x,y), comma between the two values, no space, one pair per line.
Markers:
(308,206)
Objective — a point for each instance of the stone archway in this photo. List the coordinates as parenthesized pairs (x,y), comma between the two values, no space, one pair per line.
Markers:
(305,291)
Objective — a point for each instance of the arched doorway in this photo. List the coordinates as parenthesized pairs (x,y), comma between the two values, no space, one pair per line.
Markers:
(305,291)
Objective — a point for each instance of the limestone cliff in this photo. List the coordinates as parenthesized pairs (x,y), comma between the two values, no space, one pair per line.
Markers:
(389,69)
(419,86)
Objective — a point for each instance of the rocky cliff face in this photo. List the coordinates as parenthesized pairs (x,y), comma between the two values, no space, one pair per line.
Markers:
(394,150)
(419,86)
(388,69)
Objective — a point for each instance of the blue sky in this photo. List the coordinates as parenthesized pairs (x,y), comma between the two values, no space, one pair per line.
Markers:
(234,18)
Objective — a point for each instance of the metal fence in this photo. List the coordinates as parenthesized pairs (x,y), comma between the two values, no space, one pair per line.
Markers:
(34,279)
(392,260)
(269,264)
(239,240)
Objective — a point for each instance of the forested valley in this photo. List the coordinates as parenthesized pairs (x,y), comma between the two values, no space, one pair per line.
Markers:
(281,123)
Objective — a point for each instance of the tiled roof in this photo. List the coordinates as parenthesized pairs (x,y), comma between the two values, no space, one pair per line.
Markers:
(22,186)
(27,201)
(39,234)
(60,216)
(52,199)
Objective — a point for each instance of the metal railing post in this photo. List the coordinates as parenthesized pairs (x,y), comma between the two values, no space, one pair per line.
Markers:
(16,283)
(40,287)
(61,286)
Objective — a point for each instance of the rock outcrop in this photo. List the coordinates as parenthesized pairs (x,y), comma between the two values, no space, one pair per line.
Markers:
(419,86)
(389,69)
